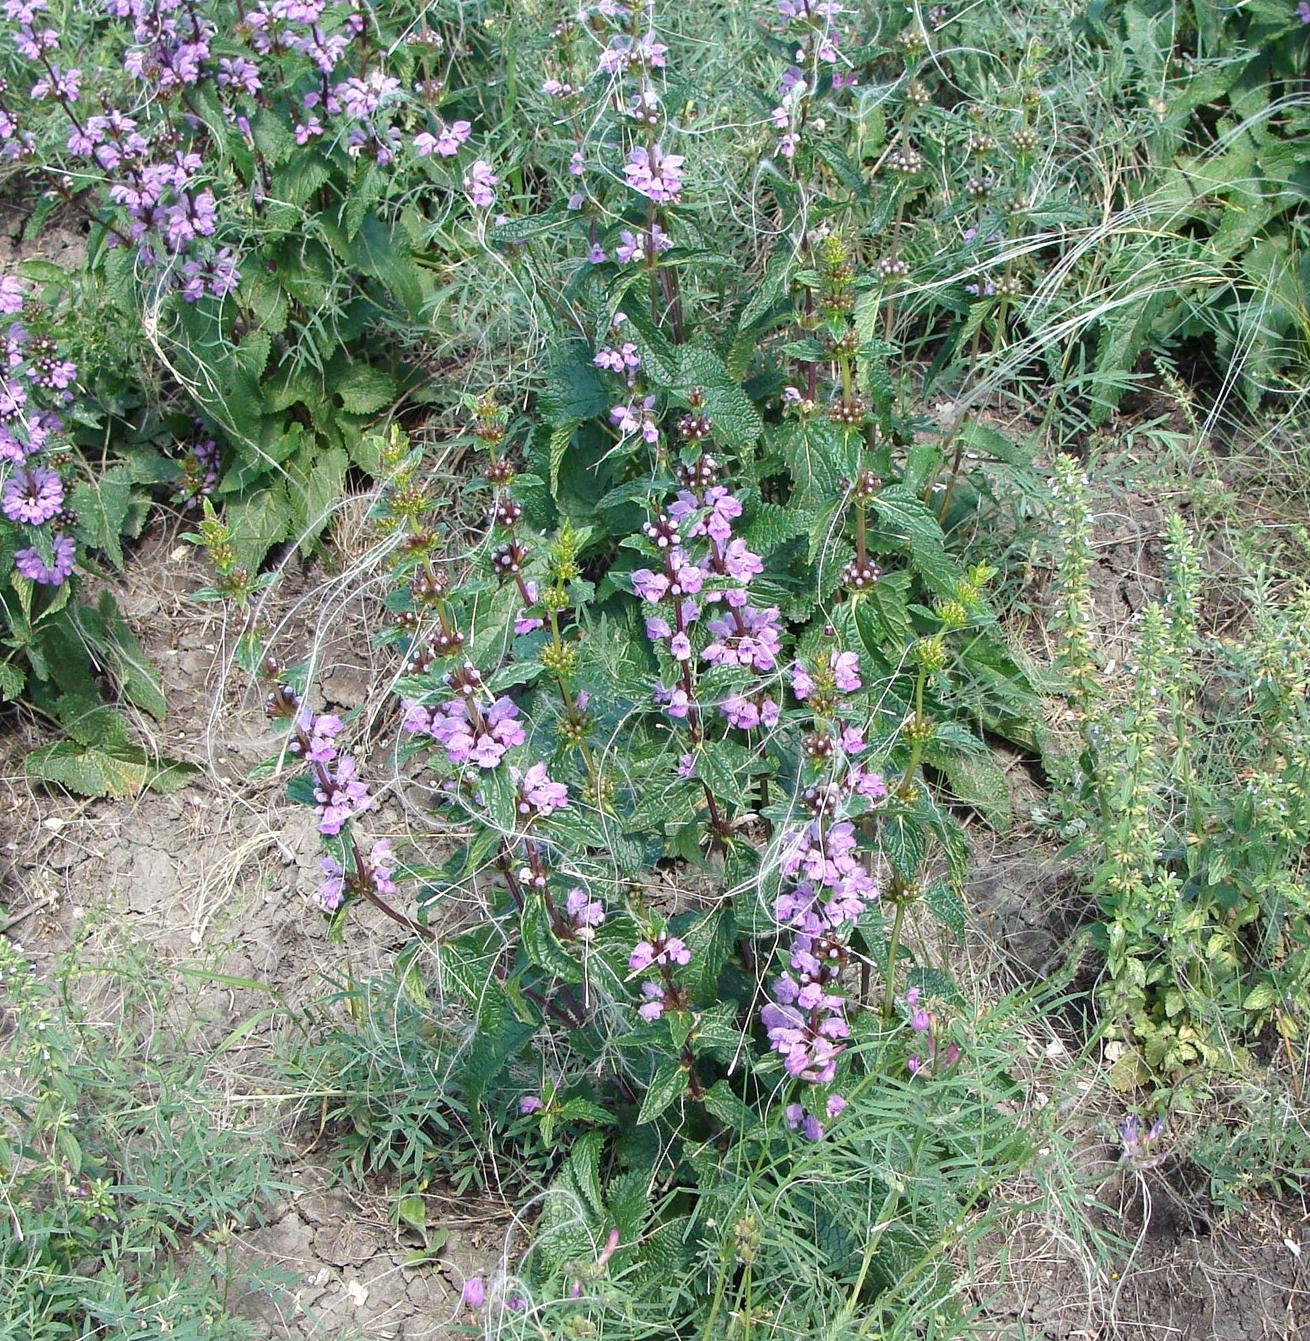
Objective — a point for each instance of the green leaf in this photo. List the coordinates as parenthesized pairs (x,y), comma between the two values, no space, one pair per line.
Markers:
(322,491)
(259,522)
(12,680)
(736,421)
(985,439)
(1260,997)
(909,521)
(710,939)
(668,1082)
(540,943)
(384,255)
(739,1118)
(659,356)
(364,389)
(941,902)
(137,678)
(583,1168)
(881,617)
(118,772)
(102,510)
(574,390)
(583,1110)
(530,226)
(411,1212)
(977,780)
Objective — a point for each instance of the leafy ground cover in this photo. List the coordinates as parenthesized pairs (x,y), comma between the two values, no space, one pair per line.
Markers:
(686,640)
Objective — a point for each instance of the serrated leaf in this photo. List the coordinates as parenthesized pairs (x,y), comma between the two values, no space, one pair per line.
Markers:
(364,389)
(882,618)
(529,226)
(116,642)
(575,390)
(95,772)
(668,1082)
(941,901)
(977,780)
(738,1117)
(12,680)
(259,522)
(383,253)
(542,946)
(906,518)
(583,1110)
(102,510)
(989,441)
(736,421)
(583,1168)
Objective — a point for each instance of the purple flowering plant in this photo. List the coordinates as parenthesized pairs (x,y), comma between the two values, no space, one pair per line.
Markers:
(240,172)
(686,693)
(60,519)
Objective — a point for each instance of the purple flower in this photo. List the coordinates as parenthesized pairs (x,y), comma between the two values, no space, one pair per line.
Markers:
(321,730)
(746,637)
(632,246)
(33,495)
(869,785)
(1303,11)
(650,586)
(417,719)
(741,712)
(11,295)
(798,1116)
(845,670)
(538,795)
(652,1007)
(343,796)
(31,566)
(382,867)
(836,1105)
(622,359)
(636,418)
(239,73)
(687,766)
(475,1292)
(660,952)
(625,52)
(470,734)
(332,892)
(584,913)
(480,182)
(530,1103)
(655,174)
(445,142)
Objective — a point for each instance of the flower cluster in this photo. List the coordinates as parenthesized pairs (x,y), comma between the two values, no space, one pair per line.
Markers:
(664,953)
(704,565)
(305,62)
(828,885)
(819,66)
(34,380)
(471,732)
(377,874)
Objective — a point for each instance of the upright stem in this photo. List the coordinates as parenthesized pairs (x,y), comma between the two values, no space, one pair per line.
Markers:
(893,950)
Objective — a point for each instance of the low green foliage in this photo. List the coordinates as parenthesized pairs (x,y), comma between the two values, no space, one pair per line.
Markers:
(1195,789)
(120,1196)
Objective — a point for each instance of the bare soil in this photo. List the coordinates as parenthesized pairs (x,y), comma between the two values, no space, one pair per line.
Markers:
(220,880)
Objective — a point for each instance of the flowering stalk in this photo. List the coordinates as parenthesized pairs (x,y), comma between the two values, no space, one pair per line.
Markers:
(828,889)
